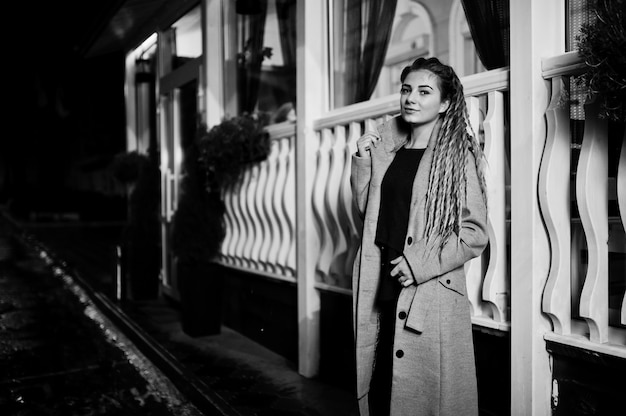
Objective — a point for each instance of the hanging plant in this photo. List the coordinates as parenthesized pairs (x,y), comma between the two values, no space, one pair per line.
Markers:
(602,46)
(229,148)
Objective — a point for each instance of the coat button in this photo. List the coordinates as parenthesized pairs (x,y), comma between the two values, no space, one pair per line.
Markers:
(402,315)
(399,353)
(409,240)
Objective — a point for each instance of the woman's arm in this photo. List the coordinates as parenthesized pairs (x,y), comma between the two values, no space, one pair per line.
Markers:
(361,172)
(425,259)
(362,169)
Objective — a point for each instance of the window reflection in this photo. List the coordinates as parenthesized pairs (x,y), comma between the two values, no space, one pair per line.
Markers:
(267,58)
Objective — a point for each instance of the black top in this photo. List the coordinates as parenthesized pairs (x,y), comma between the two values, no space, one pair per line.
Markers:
(393,217)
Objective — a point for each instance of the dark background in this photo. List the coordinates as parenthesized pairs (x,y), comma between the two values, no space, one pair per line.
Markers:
(65,119)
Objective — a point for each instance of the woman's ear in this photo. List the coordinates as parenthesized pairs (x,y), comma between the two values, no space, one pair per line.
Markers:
(443,107)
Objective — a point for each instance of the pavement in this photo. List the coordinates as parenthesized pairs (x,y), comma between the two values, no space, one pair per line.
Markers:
(59,355)
(224,374)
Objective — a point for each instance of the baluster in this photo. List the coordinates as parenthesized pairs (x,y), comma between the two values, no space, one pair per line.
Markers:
(272,254)
(238,232)
(592,194)
(263,227)
(554,200)
(350,229)
(249,182)
(370,125)
(278,250)
(332,205)
(272,235)
(289,206)
(229,224)
(495,286)
(321,179)
(253,218)
(621,200)
(474,268)
(244,220)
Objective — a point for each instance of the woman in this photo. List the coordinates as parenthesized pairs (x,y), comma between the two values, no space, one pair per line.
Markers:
(419,185)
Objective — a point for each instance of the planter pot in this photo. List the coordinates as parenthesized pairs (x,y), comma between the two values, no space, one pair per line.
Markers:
(200,289)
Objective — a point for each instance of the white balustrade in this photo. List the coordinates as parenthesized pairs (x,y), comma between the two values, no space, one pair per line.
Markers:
(578,288)
(260,212)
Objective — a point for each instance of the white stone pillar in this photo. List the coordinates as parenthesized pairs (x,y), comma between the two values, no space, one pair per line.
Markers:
(312,99)
(537,31)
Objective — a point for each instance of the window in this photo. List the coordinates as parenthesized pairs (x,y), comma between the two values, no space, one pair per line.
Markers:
(367,33)
(266,59)
(411,38)
(463,57)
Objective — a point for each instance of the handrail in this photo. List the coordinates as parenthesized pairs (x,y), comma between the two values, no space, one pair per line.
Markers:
(569,63)
(476,84)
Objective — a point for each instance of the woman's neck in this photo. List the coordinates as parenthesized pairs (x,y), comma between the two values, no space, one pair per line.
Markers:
(420,135)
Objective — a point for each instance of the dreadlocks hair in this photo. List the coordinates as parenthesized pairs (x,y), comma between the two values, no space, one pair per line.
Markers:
(456,139)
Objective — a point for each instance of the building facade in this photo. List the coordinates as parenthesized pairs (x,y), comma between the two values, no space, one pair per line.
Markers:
(547,294)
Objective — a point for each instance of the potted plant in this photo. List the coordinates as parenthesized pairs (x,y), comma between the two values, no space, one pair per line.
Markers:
(230,147)
(141,244)
(197,233)
(216,159)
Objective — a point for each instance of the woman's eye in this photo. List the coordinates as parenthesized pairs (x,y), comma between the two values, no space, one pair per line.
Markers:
(404,90)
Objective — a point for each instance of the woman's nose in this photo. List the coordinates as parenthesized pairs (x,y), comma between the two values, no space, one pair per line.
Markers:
(411,97)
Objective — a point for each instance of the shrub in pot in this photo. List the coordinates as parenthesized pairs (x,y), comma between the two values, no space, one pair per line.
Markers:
(197,233)
(215,160)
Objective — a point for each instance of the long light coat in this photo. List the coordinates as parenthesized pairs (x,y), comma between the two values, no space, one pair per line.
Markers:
(433,364)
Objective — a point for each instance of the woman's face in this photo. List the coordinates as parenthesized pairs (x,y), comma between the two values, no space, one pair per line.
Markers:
(420,98)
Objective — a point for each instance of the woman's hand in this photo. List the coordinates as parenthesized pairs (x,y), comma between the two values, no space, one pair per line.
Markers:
(364,143)
(402,271)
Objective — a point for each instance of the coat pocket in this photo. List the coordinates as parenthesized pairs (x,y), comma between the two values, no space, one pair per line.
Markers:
(454,283)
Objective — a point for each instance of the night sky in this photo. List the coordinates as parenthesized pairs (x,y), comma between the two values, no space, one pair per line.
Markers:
(66,113)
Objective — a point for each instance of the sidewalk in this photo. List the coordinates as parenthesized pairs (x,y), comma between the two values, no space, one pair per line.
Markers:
(60,356)
(229,371)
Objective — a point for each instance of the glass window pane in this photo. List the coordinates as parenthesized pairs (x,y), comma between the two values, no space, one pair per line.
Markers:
(359,42)
(418,29)
(267,60)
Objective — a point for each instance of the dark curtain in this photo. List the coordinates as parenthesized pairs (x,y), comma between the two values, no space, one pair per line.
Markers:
(488,21)
(251,58)
(364,60)
(286,12)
